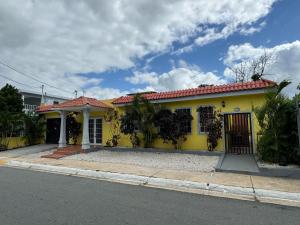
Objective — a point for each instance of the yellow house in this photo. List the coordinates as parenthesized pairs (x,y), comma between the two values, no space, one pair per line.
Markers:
(235,102)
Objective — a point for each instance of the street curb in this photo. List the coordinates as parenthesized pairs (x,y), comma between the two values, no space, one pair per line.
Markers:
(158,182)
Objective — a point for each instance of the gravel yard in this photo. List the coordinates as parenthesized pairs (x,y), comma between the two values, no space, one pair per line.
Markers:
(159,160)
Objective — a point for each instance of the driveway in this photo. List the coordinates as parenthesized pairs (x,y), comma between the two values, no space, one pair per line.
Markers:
(239,163)
(27,150)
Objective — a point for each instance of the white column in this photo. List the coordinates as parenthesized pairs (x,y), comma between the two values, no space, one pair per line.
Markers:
(85,144)
(62,135)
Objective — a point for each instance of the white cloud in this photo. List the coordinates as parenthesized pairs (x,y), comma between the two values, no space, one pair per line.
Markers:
(142,78)
(284,65)
(252,29)
(57,39)
(105,93)
(182,76)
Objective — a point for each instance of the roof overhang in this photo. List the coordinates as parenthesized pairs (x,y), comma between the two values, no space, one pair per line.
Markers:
(80,108)
(76,109)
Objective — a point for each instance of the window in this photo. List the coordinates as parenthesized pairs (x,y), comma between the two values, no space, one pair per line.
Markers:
(55,102)
(185,126)
(206,114)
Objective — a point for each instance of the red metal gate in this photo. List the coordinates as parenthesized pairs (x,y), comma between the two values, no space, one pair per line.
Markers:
(238,133)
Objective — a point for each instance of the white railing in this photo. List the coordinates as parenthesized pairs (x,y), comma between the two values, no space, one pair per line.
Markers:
(29,108)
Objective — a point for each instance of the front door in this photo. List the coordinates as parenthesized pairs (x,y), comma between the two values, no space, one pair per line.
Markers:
(52,131)
(238,133)
(95,131)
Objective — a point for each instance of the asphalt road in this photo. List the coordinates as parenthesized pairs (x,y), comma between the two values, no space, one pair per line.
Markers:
(36,198)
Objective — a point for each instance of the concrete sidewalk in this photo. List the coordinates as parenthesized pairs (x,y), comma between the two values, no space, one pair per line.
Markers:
(251,187)
(14,153)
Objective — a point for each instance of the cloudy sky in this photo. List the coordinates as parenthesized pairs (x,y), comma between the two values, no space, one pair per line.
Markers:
(110,48)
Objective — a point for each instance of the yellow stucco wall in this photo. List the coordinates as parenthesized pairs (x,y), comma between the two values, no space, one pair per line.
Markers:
(15,142)
(79,118)
(195,140)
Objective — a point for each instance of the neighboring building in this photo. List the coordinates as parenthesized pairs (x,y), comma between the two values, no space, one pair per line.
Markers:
(33,99)
(235,101)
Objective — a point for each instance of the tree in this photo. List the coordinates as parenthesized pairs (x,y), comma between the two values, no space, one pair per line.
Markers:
(11,124)
(278,140)
(254,69)
(34,128)
(139,118)
(10,99)
(258,66)
(214,131)
(72,128)
(11,114)
(113,118)
(170,126)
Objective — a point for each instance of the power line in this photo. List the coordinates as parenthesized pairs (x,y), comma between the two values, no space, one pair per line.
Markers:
(1,75)
(32,77)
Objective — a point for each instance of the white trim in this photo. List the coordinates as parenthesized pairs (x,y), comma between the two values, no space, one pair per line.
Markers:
(77,109)
(207,96)
(62,133)
(253,134)
(85,143)
(95,118)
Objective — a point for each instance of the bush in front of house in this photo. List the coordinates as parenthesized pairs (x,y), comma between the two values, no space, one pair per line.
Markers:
(278,141)
(34,128)
(214,131)
(139,119)
(113,118)
(73,128)
(171,126)
(149,121)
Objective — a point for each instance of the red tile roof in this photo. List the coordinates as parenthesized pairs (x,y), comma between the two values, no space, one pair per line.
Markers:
(44,108)
(81,101)
(217,89)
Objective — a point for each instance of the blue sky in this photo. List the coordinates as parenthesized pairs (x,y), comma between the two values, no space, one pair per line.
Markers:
(110,48)
(281,27)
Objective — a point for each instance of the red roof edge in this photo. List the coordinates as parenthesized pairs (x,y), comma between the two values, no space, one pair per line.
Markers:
(206,90)
(77,102)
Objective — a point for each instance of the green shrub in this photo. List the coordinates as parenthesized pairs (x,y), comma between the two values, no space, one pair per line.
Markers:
(278,139)
(34,128)
(170,125)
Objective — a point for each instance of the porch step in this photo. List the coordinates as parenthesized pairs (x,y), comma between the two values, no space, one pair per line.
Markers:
(63,152)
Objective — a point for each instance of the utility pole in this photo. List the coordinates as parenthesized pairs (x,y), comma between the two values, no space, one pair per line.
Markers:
(42,99)
(298,120)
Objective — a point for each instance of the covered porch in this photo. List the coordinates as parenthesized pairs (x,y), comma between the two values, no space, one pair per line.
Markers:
(85,106)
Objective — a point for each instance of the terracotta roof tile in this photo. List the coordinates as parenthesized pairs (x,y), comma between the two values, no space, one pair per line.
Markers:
(44,108)
(81,101)
(252,85)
